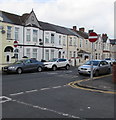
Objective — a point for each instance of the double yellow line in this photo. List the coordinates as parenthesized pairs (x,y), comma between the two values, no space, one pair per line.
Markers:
(90,88)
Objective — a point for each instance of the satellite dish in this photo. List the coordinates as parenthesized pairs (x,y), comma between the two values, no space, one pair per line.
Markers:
(3,31)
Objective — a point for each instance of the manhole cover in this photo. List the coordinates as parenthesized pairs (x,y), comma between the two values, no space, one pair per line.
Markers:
(4,99)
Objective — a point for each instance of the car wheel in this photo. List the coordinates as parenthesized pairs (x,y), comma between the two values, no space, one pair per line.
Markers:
(19,70)
(39,69)
(96,73)
(67,67)
(54,68)
(80,74)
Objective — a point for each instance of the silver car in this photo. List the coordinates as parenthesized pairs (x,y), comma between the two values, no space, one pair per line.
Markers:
(99,67)
(24,65)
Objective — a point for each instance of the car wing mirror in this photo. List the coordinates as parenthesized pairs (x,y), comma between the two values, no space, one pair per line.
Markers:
(100,65)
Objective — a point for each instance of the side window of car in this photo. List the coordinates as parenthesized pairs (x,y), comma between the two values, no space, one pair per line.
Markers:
(60,60)
(33,61)
(104,63)
(101,63)
(27,61)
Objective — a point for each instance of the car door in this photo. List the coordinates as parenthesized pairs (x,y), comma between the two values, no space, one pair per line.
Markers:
(34,64)
(28,65)
(103,67)
(62,62)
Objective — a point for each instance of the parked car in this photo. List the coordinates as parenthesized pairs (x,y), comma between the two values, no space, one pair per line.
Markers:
(57,63)
(110,60)
(99,67)
(24,65)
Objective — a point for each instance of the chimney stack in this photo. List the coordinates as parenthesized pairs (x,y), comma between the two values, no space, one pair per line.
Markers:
(104,37)
(90,31)
(75,28)
(82,29)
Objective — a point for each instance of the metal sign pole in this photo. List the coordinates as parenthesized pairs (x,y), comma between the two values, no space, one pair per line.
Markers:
(92,63)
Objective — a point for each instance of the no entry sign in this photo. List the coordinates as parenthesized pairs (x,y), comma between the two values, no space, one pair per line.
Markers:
(15,43)
(93,37)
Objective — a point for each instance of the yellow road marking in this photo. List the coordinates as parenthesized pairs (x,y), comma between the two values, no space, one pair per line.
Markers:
(72,84)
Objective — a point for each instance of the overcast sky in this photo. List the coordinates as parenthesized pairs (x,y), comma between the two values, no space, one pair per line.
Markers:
(90,14)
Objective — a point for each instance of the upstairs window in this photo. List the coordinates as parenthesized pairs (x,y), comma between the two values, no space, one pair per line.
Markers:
(28,35)
(46,37)
(52,38)
(64,41)
(17,34)
(9,30)
(35,36)
(59,39)
(74,42)
(70,42)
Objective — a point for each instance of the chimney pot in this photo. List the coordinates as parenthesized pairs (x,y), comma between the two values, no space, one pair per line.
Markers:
(90,31)
(82,29)
(75,28)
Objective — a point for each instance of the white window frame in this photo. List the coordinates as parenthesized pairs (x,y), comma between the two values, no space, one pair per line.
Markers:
(70,41)
(28,53)
(35,35)
(28,35)
(9,32)
(64,41)
(70,54)
(59,39)
(52,38)
(52,54)
(35,53)
(16,33)
(46,54)
(46,37)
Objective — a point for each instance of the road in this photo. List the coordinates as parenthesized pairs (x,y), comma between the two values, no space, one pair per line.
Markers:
(48,95)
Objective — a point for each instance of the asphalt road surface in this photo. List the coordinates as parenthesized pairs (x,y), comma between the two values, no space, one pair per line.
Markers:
(47,95)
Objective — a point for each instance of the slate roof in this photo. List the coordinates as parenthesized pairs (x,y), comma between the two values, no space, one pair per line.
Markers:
(20,20)
(82,34)
(11,18)
(56,28)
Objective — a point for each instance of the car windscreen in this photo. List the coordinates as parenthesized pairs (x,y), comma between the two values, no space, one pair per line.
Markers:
(52,60)
(107,59)
(95,63)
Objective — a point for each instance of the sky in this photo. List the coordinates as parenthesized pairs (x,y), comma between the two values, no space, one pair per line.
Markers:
(90,14)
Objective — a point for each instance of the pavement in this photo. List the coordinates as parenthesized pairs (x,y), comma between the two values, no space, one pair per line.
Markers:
(104,83)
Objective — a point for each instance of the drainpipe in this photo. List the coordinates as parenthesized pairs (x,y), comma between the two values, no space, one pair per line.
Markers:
(67,46)
(23,39)
(43,47)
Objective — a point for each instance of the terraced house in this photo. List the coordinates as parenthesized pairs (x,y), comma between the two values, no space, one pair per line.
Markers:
(41,40)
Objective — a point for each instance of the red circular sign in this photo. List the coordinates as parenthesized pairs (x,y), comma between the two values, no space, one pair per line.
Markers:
(93,37)
(15,43)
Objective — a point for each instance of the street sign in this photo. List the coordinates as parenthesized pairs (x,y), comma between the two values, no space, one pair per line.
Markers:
(93,37)
(15,43)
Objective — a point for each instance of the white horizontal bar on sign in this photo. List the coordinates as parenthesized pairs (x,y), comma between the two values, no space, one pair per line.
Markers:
(93,37)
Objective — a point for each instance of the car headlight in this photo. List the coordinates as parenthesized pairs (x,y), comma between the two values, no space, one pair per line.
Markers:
(11,67)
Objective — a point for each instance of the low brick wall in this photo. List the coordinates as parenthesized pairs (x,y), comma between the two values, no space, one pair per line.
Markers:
(114,72)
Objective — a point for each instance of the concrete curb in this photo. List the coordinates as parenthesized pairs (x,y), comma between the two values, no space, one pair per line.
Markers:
(91,87)
(80,84)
